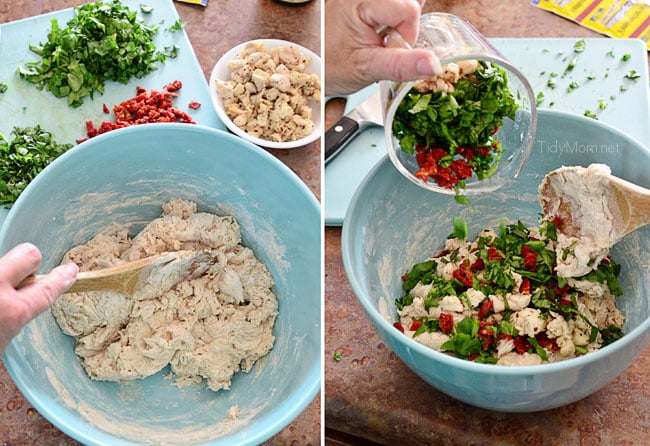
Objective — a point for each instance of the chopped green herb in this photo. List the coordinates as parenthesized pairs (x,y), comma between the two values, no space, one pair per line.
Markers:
(103,41)
(572,86)
(30,150)
(590,114)
(3,87)
(146,9)
(337,356)
(540,98)
(579,46)
(633,74)
(177,26)
(626,57)
(551,83)
(602,104)
(610,53)
(571,66)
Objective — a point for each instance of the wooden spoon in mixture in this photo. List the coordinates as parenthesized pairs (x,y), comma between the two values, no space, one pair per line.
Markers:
(144,278)
(590,202)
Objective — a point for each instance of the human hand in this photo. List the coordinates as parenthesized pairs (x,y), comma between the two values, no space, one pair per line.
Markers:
(18,307)
(355,55)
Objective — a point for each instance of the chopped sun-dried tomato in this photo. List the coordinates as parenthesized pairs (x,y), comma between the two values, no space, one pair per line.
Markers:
(522,345)
(446,323)
(463,274)
(546,342)
(486,334)
(530,258)
(415,325)
(174,86)
(194,105)
(493,254)
(486,308)
(478,265)
(143,108)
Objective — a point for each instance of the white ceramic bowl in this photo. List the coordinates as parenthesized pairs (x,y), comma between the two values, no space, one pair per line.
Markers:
(220,71)
(123,177)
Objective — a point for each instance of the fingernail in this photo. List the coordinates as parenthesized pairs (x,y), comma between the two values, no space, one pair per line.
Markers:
(429,67)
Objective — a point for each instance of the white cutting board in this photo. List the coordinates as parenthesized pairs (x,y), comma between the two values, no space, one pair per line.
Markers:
(599,71)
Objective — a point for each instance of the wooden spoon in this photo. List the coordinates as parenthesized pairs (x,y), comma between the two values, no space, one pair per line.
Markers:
(144,278)
(620,206)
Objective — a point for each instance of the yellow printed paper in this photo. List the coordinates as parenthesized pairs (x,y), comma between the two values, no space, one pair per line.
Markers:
(195,2)
(614,18)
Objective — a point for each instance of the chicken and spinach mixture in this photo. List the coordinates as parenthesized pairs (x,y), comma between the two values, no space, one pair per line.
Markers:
(499,299)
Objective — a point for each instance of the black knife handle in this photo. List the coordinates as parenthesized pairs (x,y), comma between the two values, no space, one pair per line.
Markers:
(337,136)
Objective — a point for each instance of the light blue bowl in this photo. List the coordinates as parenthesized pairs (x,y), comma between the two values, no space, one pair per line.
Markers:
(124,176)
(392,224)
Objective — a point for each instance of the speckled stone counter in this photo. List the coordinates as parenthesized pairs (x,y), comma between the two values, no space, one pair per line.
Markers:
(371,396)
(212,31)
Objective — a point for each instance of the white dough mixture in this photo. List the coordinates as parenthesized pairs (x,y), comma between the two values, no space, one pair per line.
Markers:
(205,328)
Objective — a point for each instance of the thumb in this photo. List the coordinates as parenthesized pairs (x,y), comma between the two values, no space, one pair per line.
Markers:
(402,65)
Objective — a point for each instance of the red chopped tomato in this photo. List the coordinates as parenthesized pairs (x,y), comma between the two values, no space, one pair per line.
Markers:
(194,105)
(560,291)
(174,86)
(464,274)
(461,169)
(442,253)
(522,345)
(446,323)
(530,258)
(478,265)
(493,254)
(483,150)
(398,326)
(524,288)
(415,325)
(546,342)
(143,108)
(486,334)
(487,306)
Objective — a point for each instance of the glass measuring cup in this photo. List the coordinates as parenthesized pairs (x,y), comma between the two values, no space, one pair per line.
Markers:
(453,39)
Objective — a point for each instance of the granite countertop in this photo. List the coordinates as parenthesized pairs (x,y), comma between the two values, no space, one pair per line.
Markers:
(373,397)
(212,31)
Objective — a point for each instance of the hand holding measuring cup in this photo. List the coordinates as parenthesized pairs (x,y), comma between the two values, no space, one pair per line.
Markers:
(470,129)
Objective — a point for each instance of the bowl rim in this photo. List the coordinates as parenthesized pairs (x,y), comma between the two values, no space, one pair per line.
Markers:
(55,410)
(217,102)
(378,320)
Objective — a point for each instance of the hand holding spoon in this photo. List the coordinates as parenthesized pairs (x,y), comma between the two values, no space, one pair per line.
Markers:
(144,278)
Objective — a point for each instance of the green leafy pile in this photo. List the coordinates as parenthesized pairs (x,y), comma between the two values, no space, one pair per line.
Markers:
(30,150)
(468,116)
(104,41)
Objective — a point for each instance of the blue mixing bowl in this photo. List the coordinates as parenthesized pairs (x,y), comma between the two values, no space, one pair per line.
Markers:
(124,176)
(391,224)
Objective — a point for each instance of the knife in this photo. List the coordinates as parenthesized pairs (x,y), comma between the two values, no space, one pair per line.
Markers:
(366,114)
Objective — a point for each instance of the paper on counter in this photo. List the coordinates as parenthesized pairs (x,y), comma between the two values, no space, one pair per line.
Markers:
(613,18)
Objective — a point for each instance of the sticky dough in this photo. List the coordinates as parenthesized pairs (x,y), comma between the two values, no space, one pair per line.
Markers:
(205,328)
